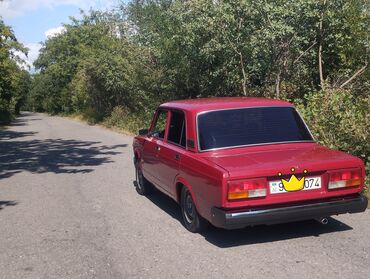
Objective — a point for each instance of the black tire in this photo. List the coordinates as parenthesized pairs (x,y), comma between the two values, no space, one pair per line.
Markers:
(143,186)
(192,221)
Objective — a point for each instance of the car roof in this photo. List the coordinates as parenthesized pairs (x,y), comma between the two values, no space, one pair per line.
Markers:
(206,104)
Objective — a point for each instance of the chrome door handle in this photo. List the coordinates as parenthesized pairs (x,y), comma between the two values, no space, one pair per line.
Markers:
(158,148)
(177,156)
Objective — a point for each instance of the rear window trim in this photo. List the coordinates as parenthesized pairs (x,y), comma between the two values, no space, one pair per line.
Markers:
(256,144)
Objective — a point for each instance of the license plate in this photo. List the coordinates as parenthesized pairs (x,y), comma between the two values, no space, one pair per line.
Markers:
(310,183)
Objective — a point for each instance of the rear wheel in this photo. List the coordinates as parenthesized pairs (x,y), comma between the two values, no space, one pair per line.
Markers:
(142,185)
(191,218)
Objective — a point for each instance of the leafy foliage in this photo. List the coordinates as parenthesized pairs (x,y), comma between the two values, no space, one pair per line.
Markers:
(339,120)
(14,80)
(152,50)
(265,48)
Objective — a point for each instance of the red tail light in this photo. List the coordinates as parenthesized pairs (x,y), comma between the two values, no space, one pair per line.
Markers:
(344,179)
(245,189)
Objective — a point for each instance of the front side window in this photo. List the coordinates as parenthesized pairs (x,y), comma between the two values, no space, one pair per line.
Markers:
(160,124)
(250,126)
(177,130)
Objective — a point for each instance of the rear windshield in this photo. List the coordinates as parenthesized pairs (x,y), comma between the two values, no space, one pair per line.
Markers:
(249,126)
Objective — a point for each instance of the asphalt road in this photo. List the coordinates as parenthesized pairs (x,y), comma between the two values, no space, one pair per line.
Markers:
(68,209)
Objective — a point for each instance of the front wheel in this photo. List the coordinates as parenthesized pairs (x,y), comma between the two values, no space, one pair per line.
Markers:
(191,218)
(142,185)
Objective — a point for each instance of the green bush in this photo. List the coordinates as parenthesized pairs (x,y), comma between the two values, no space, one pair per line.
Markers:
(5,114)
(122,119)
(339,120)
(91,115)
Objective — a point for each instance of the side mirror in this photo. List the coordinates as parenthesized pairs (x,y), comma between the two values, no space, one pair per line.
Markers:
(143,132)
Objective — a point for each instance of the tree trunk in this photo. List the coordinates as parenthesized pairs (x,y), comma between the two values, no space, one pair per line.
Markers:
(277,84)
(322,85)
(319,54)
(359,72)
(244,83)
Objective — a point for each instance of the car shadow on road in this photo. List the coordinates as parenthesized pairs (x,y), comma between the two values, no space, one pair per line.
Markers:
(252,235)
(262,234)
(4,204)
(165,203)
(18,154)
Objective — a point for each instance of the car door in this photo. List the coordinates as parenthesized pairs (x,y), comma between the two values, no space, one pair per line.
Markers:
(171,151)
(152,146)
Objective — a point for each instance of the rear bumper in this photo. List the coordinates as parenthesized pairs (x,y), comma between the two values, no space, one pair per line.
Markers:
(239,219)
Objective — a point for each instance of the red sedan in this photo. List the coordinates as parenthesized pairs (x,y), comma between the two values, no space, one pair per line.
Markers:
(237,162)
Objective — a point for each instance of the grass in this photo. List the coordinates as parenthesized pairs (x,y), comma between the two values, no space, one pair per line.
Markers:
(118,121)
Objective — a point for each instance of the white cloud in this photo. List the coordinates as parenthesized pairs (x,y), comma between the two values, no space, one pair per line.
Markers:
(13,8)
(33,52)
(52,32)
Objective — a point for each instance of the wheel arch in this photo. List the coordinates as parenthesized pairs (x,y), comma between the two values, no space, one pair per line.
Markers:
(180,183)
(136,156)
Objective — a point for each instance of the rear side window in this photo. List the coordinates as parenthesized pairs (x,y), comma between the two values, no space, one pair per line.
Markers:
(177,130)
(249,126)
(160,124)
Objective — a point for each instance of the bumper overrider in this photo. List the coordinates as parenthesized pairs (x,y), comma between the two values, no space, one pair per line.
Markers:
(268,216)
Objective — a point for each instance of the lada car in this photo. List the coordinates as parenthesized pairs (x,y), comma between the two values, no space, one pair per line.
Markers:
(237,162)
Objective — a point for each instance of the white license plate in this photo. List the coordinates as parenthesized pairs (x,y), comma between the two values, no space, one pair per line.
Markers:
(310,183)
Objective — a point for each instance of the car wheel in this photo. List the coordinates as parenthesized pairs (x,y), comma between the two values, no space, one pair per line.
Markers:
(191,218)
(142,185)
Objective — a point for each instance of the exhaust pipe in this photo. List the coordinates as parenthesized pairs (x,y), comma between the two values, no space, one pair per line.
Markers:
(323,221)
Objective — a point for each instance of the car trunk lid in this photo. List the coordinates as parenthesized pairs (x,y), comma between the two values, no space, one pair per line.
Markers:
(269,161)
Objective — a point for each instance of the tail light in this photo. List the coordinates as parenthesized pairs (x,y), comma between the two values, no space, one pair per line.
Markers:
(344,179)
(246,189)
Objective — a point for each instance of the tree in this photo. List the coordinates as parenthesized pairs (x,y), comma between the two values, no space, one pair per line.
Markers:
(13,79)
(152,50)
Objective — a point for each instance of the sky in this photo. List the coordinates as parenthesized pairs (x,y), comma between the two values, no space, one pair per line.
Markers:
(34,20)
